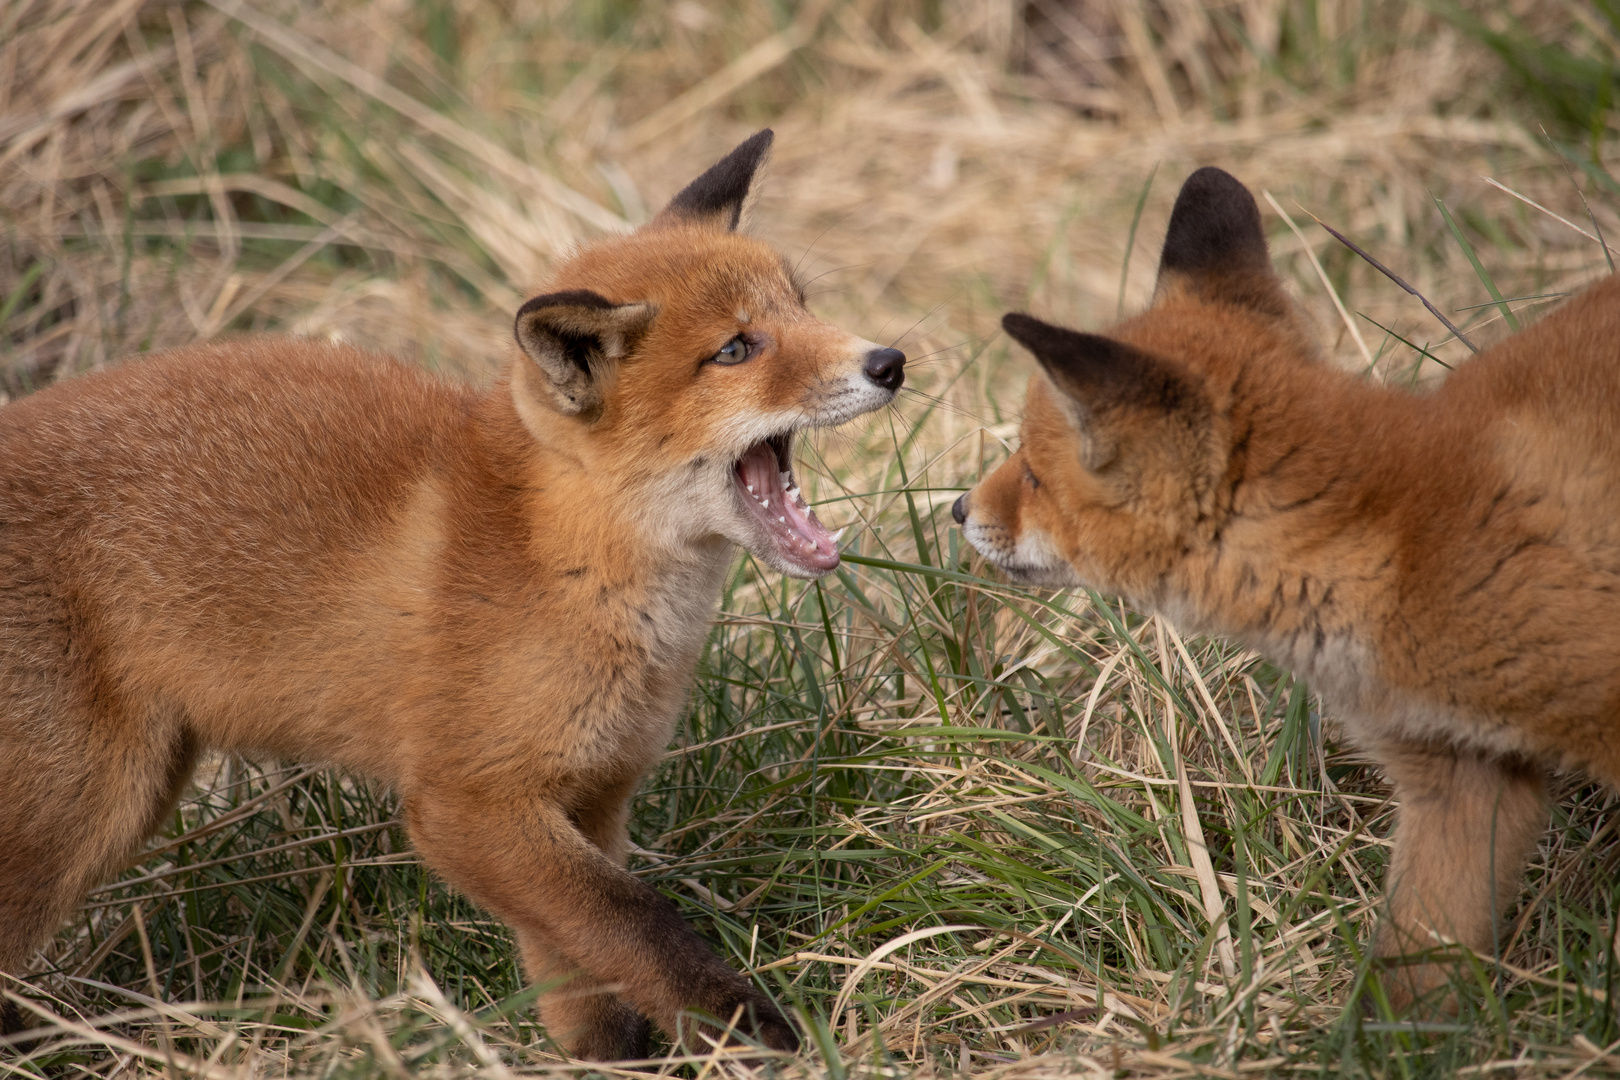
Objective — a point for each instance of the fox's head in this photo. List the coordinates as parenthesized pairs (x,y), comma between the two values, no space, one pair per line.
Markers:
(1133,442)
(678,362)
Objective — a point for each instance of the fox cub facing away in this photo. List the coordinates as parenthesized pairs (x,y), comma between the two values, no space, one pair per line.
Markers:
(1443,568)
(492,601)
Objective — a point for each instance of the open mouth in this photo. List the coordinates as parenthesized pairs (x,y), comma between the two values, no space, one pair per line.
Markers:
(764,479)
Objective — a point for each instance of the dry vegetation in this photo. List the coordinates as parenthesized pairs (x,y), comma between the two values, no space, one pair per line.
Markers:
(953,824)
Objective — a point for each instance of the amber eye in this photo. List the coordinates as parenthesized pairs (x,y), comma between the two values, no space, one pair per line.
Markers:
(734,351)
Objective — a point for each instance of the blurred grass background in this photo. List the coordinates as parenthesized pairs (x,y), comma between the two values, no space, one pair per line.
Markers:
(955,826)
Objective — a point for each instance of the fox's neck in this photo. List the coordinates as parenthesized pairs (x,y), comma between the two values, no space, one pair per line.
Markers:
(573,533)
(1313,509)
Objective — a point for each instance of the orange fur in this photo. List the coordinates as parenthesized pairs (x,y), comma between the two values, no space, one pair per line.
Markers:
(492,601)
(1443,568)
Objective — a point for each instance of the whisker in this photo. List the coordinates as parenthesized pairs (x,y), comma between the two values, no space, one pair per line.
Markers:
(806,253)
(924,317)
(850,266)
(941,350)
(946,405)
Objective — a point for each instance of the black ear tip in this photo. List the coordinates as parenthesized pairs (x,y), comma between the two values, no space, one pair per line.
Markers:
(746,156)
(720,191)
(1215,191)
(1215,226)
(1020,327)
(1210,179)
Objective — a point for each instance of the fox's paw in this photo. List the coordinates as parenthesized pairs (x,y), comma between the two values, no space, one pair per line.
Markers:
(11,1018)
(616,1033)
(15,1029)
(749,1017)
(775,1031)
(1415,989)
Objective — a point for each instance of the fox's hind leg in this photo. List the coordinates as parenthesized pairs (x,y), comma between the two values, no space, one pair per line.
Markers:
(79,790)
(1466,826)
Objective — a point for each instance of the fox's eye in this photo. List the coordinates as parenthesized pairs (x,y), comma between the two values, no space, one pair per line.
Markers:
(734,351)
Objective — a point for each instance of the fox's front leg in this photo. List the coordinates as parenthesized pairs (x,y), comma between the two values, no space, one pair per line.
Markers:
(589,1021)
(1465,827)
(574,907)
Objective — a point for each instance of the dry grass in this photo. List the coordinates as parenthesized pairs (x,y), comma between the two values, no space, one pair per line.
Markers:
(956,825)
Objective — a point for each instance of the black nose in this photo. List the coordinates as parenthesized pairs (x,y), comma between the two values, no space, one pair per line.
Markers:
(959,509)
(886,367)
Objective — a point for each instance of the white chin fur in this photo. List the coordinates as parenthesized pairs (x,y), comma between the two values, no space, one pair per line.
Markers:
(773,558)
(1061,576)
(1033,560)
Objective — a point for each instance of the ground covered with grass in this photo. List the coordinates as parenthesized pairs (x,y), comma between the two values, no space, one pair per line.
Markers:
(955,826)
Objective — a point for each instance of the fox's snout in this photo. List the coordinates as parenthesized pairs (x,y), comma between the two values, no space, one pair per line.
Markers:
(886,367)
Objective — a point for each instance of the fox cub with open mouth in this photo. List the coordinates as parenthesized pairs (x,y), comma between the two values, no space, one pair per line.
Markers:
(494,601)
(1443,568)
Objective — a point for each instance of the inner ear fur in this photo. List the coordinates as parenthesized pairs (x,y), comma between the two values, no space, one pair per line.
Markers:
(573,338)
(1100,380)
(717,198)
(1216,246)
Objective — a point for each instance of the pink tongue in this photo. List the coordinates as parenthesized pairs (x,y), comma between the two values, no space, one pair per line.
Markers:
(794,528)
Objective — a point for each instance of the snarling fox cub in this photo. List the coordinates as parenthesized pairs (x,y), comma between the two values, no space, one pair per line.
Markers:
(492,601)
(1443,568)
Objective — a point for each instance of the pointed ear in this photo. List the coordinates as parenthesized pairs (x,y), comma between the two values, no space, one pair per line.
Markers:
(1215,243)
(716,198)
(1099,378)
(574,338)
(1214,227)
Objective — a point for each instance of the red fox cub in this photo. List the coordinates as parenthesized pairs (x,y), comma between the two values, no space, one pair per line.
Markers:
(492,601)
(1443,568)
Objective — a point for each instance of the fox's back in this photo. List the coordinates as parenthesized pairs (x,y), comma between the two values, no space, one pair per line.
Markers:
(167,527)
(1566,363)
(275,452)
(1538,418)
(1548,398)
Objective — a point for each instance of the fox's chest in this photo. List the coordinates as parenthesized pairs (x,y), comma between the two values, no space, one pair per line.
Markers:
(604,679)
(1360,686)
(1388,670)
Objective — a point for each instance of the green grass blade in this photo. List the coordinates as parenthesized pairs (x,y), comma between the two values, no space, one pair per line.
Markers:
(1479,268)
